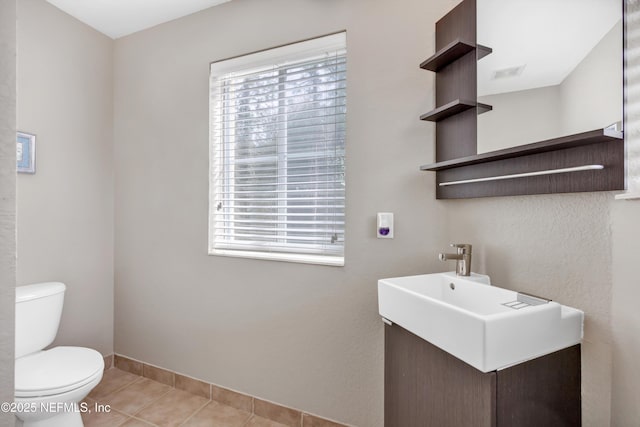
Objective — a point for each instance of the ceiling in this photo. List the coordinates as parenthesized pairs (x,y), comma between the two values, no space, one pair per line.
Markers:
(544,39)
(118,18)
(557,34)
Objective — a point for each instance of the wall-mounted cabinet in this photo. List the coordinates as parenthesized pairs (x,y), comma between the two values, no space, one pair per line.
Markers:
(583,160)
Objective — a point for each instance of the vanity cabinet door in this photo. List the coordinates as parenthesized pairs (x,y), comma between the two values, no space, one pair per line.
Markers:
(427,387)
(541,392)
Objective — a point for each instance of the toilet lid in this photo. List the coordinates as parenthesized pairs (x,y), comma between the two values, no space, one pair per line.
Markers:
(56,371)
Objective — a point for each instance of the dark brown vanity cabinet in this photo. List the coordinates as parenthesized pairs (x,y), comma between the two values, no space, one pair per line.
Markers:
(427,387)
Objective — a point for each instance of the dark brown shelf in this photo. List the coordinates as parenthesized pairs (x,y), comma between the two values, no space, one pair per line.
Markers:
(452,108)
(447,110)
(571,141)
(445,56)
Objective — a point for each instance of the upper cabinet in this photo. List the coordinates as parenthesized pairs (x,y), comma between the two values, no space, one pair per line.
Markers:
(528,98)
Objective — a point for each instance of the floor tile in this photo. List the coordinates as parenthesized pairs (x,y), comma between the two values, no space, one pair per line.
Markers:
(313,421)
(134,422)
(257,421)
(137,401)
(132,398)
(218,415)
(103,419)
(172,409)
(112,380)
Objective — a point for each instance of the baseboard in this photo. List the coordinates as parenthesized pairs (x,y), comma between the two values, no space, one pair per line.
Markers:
(263,408)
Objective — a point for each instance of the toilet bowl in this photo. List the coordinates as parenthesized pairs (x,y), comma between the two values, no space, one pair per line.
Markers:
(49,384)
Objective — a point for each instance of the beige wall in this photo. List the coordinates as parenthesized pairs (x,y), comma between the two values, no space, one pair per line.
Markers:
(7,201)
(65,210)
(625,398)
(301,335)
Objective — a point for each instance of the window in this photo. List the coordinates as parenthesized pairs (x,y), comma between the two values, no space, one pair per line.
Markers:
(277,153)
(632,101)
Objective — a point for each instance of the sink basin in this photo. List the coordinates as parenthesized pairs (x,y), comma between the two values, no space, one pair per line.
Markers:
(468,318)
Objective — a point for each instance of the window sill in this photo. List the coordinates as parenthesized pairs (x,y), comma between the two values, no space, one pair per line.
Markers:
(632,195)
(334,261)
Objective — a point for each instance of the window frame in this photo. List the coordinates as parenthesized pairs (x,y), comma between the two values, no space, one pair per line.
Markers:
(282,57)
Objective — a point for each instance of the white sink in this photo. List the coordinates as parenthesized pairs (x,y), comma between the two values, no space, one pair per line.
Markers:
(467,318)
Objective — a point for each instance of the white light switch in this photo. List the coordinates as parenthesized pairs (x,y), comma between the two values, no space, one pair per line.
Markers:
(384,228)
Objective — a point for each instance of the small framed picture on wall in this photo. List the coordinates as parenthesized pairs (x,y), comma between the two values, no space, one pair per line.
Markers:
(26,152)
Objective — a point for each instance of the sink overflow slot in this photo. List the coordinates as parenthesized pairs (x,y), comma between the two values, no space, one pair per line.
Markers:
(452,286)
(525,300)
(517,305)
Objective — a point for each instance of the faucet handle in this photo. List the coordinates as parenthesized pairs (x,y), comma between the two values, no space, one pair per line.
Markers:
(462,247)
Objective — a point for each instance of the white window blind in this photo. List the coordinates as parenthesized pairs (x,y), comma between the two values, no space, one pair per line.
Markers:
(277,147)
(632,95)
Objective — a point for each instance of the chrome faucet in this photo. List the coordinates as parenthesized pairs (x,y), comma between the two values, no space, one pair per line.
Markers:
(462,257)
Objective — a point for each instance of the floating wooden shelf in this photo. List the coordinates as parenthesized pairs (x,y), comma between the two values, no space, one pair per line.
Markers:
(571,141)
(454,107)
(449,109)
(445,56)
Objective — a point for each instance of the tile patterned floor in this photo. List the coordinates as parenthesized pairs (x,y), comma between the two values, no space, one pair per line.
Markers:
(136,401)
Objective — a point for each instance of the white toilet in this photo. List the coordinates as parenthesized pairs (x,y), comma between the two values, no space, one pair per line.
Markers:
(49,384)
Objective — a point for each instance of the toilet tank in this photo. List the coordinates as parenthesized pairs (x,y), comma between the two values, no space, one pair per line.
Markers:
(38,311)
